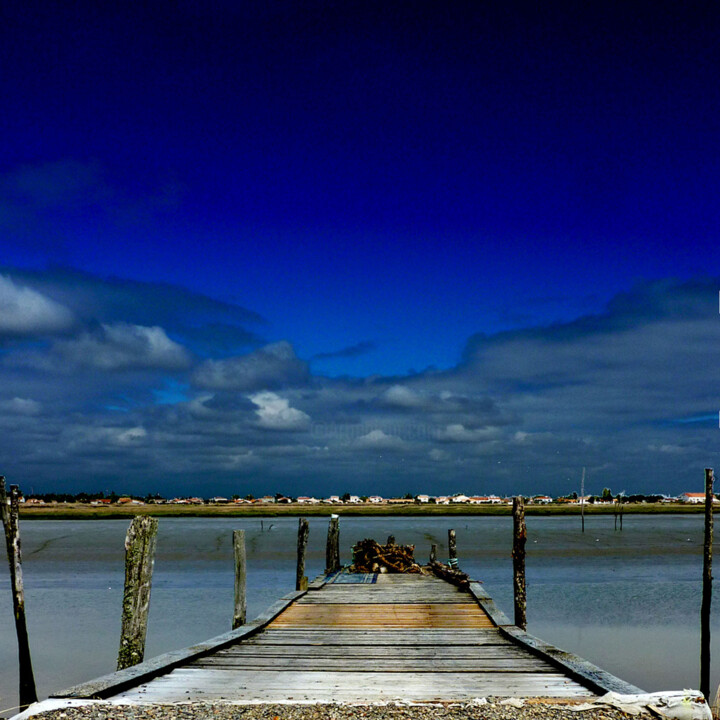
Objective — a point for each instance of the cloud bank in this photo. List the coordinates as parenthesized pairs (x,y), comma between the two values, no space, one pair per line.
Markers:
(108,384)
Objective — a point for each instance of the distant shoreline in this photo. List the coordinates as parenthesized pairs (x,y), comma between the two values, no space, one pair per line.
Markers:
(77,511)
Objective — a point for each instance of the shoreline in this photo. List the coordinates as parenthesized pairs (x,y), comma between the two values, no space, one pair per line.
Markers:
(79,511)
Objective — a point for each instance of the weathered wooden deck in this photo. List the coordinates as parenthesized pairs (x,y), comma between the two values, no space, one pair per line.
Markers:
(409,637)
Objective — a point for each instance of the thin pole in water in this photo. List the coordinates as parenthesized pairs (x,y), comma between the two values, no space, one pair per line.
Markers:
(707,587)
(452,549)
(582,501)
(332,547)
(9,510)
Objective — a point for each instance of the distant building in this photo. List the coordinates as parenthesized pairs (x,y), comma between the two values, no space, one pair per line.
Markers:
(376,499)
(305,500)
(422,498)
(694,498)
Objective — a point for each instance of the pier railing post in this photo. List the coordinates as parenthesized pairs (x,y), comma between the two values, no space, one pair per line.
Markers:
(301,581)
(240,607)
(707,588)
(518,556)
(452,549)
(9,509)
(332,548)
(139,561)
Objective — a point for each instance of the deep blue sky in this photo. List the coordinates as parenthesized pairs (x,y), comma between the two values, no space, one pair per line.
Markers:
(441,198)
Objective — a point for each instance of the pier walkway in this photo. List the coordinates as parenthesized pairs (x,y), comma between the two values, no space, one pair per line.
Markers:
(364,638)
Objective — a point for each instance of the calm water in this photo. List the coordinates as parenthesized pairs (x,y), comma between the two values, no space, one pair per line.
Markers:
(629,601)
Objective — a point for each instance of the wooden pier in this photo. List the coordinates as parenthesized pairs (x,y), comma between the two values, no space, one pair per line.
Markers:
(363,639)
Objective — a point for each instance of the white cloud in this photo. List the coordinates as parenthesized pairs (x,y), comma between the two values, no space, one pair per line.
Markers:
(21,406)
(131,436)
(275,413)
(379,440)
(121,346)
(26,312)
(402,397)
(438,455)
(270,367)
(457,432)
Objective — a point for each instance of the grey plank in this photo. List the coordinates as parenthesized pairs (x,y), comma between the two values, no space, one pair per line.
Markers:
(273,686)
(371,652)
(375,595)
(396,665)
(431,637)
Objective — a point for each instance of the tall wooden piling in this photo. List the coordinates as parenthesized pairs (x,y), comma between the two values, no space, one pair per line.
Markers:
(518,556)
(240,606)
(139,560)
(301,581)
(433,553)
(332,548)
(706,588)
(9,510)
(452,548)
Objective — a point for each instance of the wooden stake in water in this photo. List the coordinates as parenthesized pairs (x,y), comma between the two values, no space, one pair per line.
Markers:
(332,548)
(433,553)
(452,548)
(707,588)
(301,581)
(9,510)
(518,557)
(240,608)
(582,501)
(139,561)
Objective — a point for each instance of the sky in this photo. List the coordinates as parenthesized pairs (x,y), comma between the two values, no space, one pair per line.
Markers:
(364,247)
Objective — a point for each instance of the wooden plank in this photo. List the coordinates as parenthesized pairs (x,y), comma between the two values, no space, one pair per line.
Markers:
(335,664)
(427,637)
(374,616)
(113,683)
(187,684)
(370,652)
(369,594)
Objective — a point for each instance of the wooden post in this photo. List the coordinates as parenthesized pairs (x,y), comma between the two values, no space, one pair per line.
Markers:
(621,515)
(139,561)
(433,553)
(582,501)
(390,540)
(518,556)
(452,548)
(332,548)
(9,510)
(301,581)
(706,588)
(240,610)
